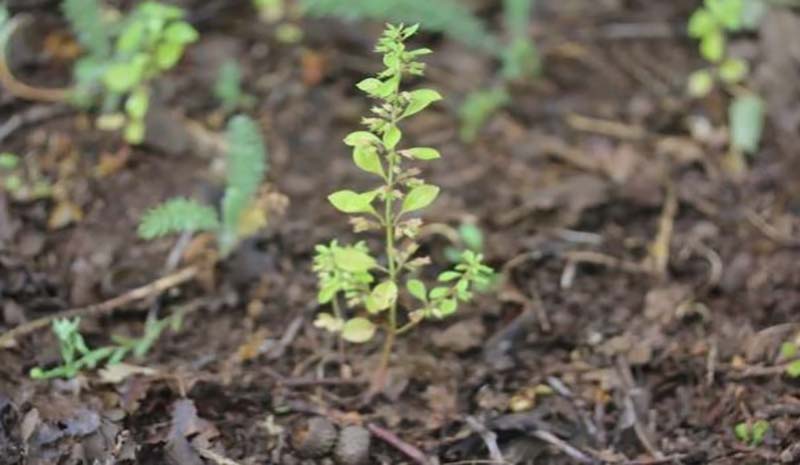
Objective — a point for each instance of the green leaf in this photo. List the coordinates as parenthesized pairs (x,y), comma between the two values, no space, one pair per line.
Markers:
(448,276)
(131,37)
(759,431)
(447,307)
(742,431)
(371,86)
(353,260)
(136,104)
(360,138)
(8,160)
(788,350)
(382,297)
(327,293)
(733,70)
(177,215)
(391,137)
(420,197)
(358,330)
(793,369)
(419,100)
(134,131)
(366,157)
(700,83)
(168,54)
(121,77)
(417,289)
(701,23)
(348,201)
(328,322)
(438,292)
(472,236)
(181,32)
(422,153)
(712,46)
(726,12)
(746,119)
(246,162)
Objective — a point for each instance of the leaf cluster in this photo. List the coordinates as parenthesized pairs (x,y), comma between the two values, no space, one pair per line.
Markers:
(239,213)
(76,355)
(124,56)
(352,271)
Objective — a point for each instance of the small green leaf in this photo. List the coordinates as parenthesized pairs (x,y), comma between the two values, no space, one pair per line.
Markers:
(472,236)
(327,293)
(419,100)
(121,77)
(700,83)
(131,37)
(746,119)
(417,289)
(759,431)
(712,46)
(793,369)
(788,350)
(448,276)
(447,307)
(391,137)
(366,157)
(181,32)
(168,54)
(353,260)
(420,197)
(422,153)
(371,86)
(136,104)
(733,70)
(701,23)
(8,161)
(134,131)
(742,431)
(359,138)
(358,330)
(438,292)
(382,297)
(348,201)
(726,12)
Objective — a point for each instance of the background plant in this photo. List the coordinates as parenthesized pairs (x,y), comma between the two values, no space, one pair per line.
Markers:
(76,355)
(240,213)
(228,87)
(350,271)
(710,25)
(123,57)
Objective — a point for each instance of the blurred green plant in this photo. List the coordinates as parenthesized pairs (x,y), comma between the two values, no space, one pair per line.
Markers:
(76,355)
(228,87)
(349,270)
(710,25)
(123,57)
(752,434)
(21,182)
(239,214)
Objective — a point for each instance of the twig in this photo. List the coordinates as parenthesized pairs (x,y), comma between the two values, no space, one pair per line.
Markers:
(156,287)
(562,445)
(597,258)
(215,457)
(606,127)
(393,440)
(33,115)
(630,391)
(489,438)
(659,248)
(770,231)
(12,84)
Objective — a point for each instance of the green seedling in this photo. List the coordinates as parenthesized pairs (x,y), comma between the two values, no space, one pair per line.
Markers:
(710,25)
(240,215)
(365,283)
(76,356)
(478,107)
(124,57)
(23,183)
(754,434)
(228,87)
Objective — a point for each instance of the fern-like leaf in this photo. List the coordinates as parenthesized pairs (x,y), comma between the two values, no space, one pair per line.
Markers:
(446,16)
(86,21)
(247,156)
(178,215)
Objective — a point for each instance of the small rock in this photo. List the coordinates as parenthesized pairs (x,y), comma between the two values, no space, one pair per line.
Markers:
(353,446)
(313,437)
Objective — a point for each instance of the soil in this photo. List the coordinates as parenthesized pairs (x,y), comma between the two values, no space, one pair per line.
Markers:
(646,286)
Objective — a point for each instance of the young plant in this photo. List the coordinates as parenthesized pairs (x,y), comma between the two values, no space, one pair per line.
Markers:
(710,25)
(76,355)
(240,213)
(752,434)
(228,87)
(370,286)
(124,57)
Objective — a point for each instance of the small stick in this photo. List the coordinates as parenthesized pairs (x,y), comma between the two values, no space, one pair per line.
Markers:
(393,440)
(562,445)
(156,287)
(489,437)
(215,457)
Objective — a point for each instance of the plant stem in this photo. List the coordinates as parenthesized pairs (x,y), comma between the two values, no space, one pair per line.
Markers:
(388,221)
